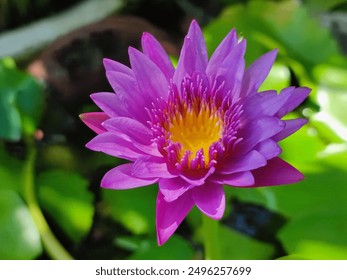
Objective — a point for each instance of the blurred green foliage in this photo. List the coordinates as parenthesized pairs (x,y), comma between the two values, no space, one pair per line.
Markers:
(314,209)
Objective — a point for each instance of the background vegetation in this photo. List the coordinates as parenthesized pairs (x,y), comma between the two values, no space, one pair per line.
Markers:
(51,205)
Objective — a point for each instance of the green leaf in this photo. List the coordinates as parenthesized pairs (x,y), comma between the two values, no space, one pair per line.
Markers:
(316,206)
(176,248)
(65,196)
(237,246)
(8,167)
(19,237)
(21,101)
(134,209)
(267,25)
(331,120)
(278,78)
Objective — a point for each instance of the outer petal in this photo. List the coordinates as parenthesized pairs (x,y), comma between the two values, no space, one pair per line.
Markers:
(222,51)
(114,145)
(239,179)
(266,103)
(151,167)
(111,65)
(269,148)
(210,199)
(110,103)
(170,214)
(94,120)
(130,101)
(295,99)
(257,72)
(121,178)
(258,130)
(130,127)
(151,80)
(291,126)
(276,172)
(230,72)
(153,49)
(193,57)
(250,161)
(173,188)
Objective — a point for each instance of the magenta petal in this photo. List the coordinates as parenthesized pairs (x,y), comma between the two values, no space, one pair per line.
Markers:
(151,80)
(121,178)
(276,172)
(197,177)
(169,215)
(110,103)
(291,126)
(114,145)
(239,179)
(130,127)
(221,52)
(173,188)
(257,72)
(265,103)
(295,99)
(94,120)
(250,161)
(153,49)
(111,65)
(210,199)
(193,57)
(259,130)
(268,148)
(151,167)
(230,71)
(130,100)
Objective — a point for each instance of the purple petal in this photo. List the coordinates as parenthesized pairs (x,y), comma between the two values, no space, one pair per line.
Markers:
(193,57)
(94,120)
(230,72)
(265,103)
(151,80)
(250,161)
(210,199)
(259,130)
(291,126)
(151,167)
(153,49)
(257,72)
(295,99)
(169,215)
(114,145)
(276,172)
(121,178)
(222,51)
(239,179)
(111,65)
(268,148)
(173,188)
(197,177)
(134,129)
(110,103)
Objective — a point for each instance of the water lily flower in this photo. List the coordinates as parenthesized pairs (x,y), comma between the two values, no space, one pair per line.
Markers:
(193,128)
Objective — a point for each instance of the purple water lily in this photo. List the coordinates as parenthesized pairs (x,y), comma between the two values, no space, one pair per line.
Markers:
(195,128)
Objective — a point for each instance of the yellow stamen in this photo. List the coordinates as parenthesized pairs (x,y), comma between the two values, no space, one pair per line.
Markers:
(195,128)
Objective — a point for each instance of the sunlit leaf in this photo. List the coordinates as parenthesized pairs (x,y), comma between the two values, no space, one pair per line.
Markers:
(134,209)
(64,195)
(176,248)
(19,237)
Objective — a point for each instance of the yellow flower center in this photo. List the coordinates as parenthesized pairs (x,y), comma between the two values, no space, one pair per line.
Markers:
(195,127)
